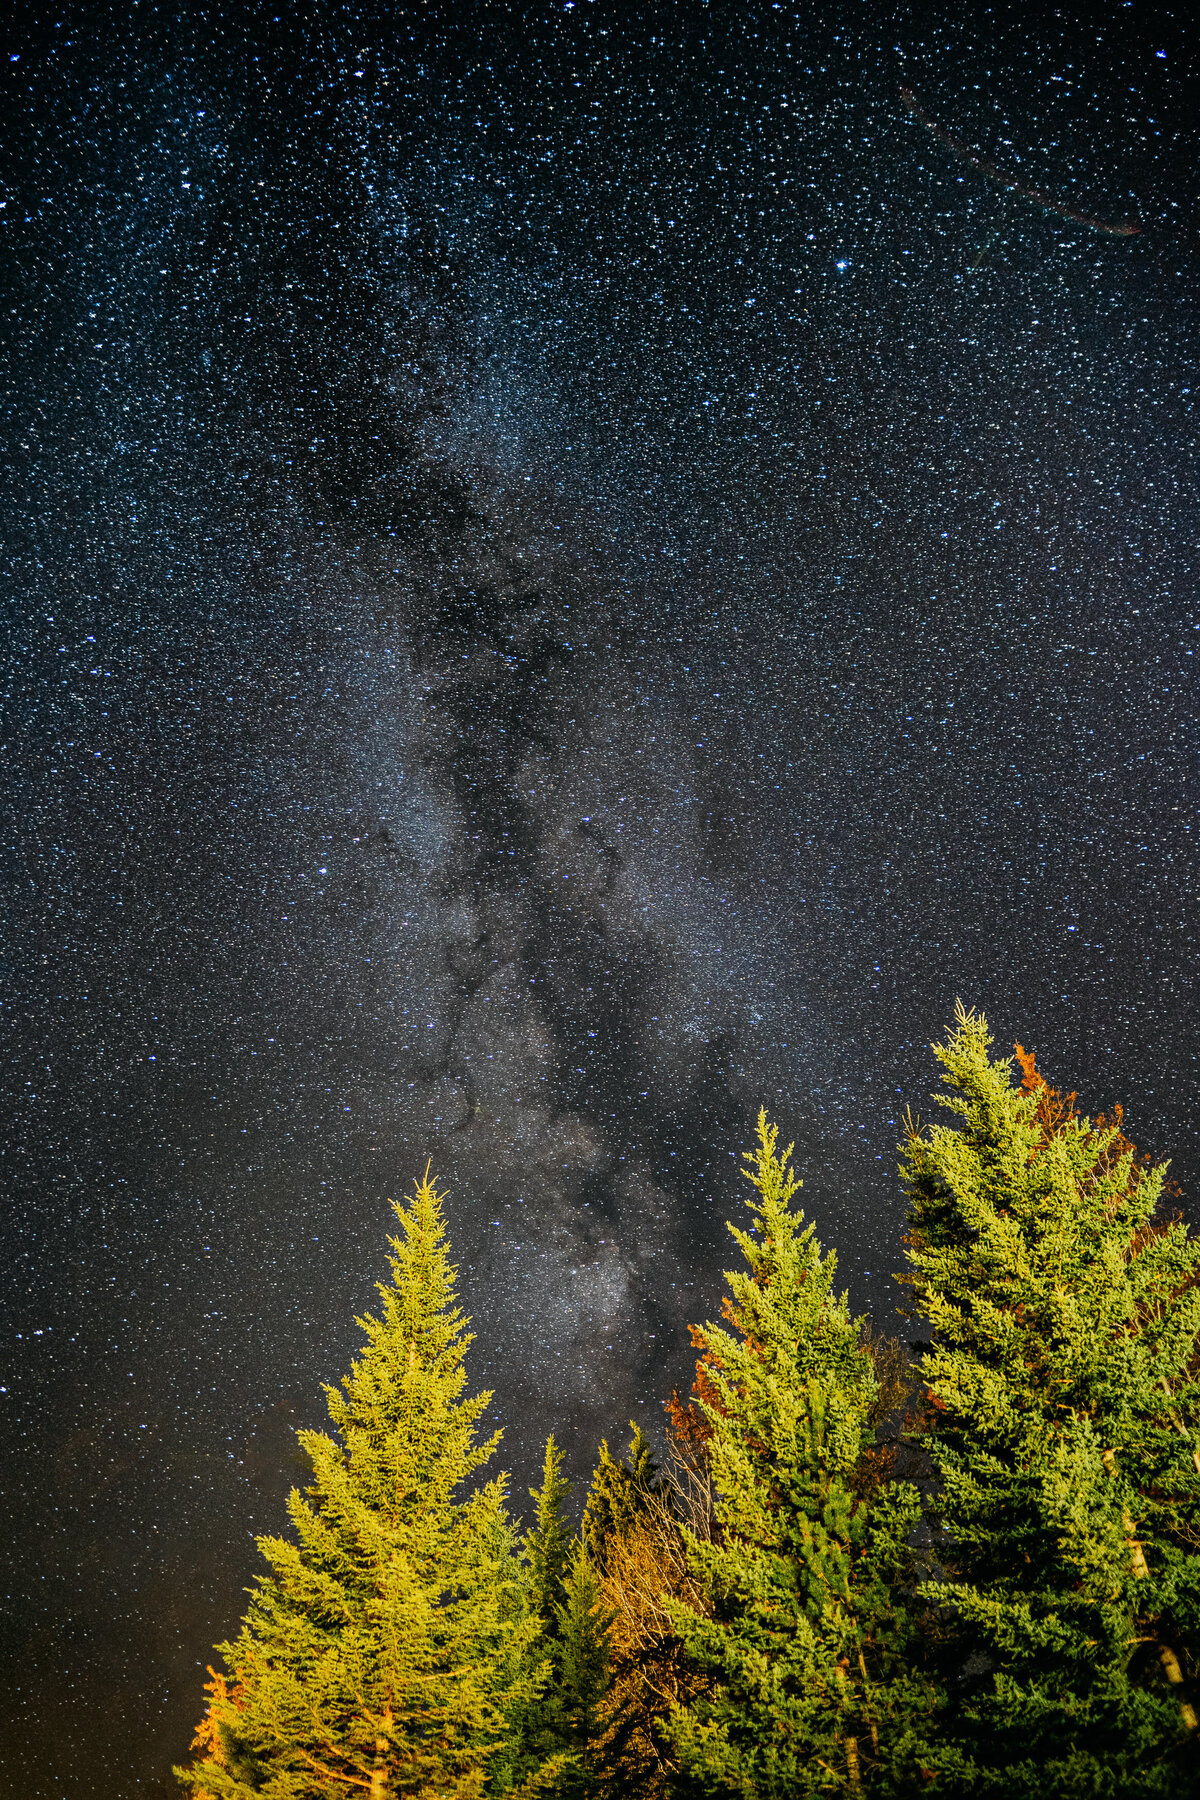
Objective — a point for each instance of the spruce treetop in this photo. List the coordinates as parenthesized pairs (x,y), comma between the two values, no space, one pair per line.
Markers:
(800,1660)
(1036,1255)
(386,1651)
(548,1544)
(1061,1387)
(790,1327)
(413,1364)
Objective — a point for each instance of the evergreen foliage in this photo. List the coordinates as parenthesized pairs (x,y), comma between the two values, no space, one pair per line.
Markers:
(801,1643)
(749,1620)
(568,1726)
(583,1682)
(386,1651)
(1061,1420)
(541,1733)
(622,1495)
(548,1543)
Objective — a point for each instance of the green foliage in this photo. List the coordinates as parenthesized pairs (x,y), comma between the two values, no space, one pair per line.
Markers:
(583,1680)
(801,1644)
(754,1623)
(548,1544)
(1062,1393)
(567,1722)
(539,1732)
(622,1494)
(387,1649)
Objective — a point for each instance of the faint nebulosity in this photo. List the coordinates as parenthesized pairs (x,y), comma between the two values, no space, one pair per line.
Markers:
(571,578)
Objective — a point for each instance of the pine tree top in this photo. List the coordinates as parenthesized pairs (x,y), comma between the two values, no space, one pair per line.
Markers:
(547,1544)
(799,1655)
(412,1370)
(790,1326)
(1035,1247)
(387,1646)
(1060,1386)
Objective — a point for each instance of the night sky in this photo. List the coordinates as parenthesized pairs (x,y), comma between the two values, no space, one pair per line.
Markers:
(567,579)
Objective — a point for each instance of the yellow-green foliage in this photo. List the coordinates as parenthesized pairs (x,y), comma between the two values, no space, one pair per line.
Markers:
(753,1622)
(383,1652)
(1065,1322)
(803,1652)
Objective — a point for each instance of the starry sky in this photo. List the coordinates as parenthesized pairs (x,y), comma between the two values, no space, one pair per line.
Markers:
(567,578)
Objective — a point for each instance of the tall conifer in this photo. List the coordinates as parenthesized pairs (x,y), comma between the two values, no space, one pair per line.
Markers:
(1062,1403)
(540,1730)
(569,1724)
(548,1542)
(800,1641)
(590,1735)
(385,1652)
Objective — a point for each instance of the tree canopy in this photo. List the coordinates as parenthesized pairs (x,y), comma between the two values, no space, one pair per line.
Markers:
(1065,1311)
(837,1571)
(383,1651)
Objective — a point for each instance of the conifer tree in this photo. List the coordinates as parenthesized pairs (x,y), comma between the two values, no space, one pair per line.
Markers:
(539,1731)
(583,1681)
(385,1652)
(622,1495)
(800,1640)
(548,1543)
(569,1723)
(1063,1405)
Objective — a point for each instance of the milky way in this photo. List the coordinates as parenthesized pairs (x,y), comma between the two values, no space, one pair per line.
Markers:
(556,603)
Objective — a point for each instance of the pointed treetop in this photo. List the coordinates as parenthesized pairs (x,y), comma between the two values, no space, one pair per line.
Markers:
(1020,1159)
(772,1176)
(387,1646)
(547,1544)
(783,1304)
(1029,1222)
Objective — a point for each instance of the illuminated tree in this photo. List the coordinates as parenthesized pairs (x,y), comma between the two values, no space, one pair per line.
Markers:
(802,1647)
(623,1494)
(1063,1405)
(387,1650)
(633,1544)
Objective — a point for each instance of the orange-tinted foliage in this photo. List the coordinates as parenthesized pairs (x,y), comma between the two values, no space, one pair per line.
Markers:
(689,1426)
(690,1430)
(1056,1109)
(207,1741)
